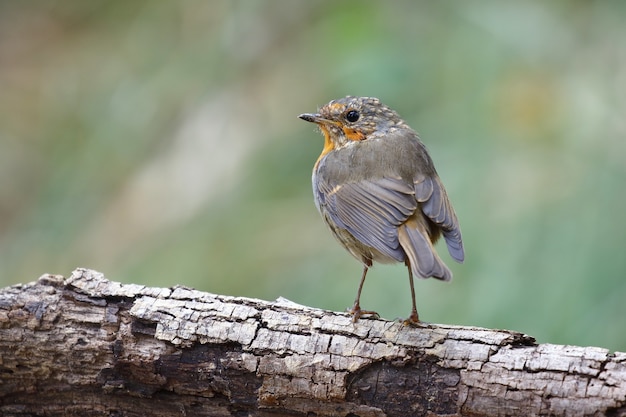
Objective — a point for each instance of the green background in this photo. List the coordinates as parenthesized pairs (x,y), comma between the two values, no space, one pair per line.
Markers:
(158,142)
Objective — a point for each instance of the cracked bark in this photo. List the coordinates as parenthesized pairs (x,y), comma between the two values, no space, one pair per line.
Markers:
(88,346)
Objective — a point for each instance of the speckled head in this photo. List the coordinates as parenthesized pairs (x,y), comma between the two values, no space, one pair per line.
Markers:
(354,119)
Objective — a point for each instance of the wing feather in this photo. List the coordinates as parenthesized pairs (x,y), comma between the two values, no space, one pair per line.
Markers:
(372,210)
(436,205)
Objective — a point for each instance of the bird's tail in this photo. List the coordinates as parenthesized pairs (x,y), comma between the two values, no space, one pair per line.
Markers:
(422,256)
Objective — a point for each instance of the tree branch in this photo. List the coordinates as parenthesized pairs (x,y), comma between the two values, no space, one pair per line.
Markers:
(87,346)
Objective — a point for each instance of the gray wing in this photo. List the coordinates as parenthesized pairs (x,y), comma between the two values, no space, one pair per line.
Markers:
(371,210)
(429,191)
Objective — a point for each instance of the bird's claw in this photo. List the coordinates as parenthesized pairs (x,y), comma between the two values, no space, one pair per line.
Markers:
(413,320)
(357,313)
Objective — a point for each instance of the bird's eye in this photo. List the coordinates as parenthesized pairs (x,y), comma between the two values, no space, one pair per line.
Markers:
(352,116)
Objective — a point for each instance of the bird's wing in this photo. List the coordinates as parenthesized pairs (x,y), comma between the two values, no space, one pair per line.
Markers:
(429,191)
(371,210)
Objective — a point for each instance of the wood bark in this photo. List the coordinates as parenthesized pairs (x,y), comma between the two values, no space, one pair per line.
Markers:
(84,345)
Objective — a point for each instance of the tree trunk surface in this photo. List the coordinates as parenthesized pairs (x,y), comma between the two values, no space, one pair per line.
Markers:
(87,346)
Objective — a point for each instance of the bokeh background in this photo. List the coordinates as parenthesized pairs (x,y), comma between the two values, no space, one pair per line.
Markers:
(158,143)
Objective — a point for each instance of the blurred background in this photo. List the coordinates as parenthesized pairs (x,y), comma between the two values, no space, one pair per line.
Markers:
(158,142)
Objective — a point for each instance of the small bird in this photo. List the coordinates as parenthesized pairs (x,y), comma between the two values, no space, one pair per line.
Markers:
(378,191)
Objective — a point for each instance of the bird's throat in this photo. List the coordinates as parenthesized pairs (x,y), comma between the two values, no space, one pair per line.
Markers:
(329,145)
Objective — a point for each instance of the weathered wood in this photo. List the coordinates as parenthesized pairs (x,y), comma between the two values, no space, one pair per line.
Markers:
(87,346)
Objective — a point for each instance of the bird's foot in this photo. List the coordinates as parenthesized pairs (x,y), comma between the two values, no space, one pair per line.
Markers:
(412,320)
(356,313)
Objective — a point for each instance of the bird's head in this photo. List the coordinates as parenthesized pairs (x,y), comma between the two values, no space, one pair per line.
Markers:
(353,119)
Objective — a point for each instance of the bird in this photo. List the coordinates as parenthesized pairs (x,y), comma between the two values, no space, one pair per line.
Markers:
(376,188)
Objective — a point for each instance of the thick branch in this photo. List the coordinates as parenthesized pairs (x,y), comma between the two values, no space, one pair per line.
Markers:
(87,346)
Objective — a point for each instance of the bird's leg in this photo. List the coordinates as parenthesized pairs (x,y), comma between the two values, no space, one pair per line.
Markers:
(356,311)
(414,317)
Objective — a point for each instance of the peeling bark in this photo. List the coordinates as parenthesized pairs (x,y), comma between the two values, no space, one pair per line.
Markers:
(87,346)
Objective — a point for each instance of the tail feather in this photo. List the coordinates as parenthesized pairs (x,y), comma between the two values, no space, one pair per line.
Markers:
(424,260)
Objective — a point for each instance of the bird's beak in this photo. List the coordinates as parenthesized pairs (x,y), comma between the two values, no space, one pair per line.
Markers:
(314,118)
